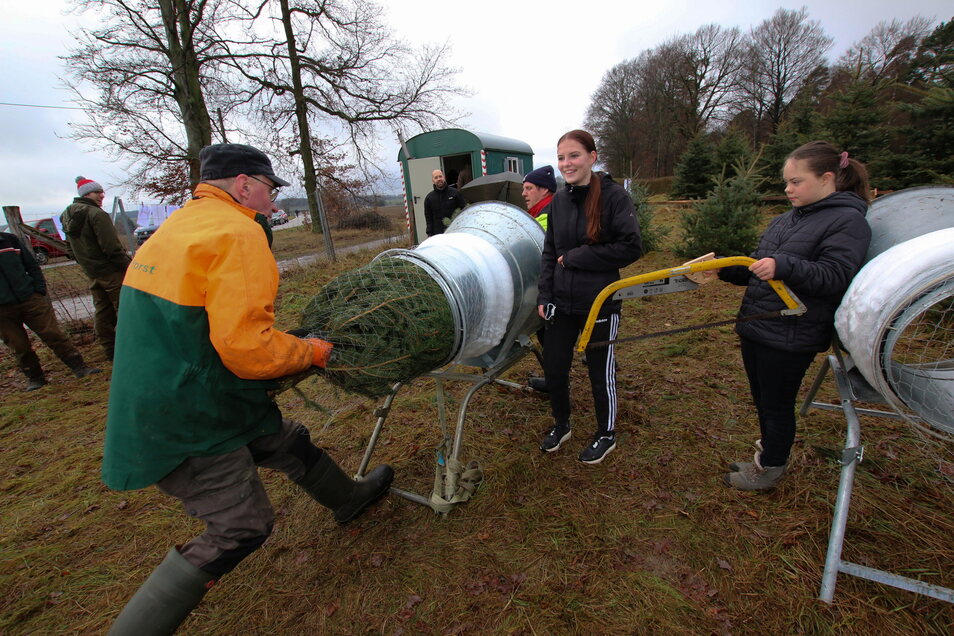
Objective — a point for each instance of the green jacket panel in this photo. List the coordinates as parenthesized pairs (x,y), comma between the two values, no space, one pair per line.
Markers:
(176,400)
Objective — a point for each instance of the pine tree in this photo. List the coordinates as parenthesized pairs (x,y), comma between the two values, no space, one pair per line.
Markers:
(733,149)
(696,169)
(855,122)
(652,233)
(727,222)
(798,127)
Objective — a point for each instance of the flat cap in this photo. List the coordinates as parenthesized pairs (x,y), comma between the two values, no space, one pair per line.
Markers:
(221,161)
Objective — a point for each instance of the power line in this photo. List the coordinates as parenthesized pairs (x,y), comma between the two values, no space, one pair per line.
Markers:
(40,106)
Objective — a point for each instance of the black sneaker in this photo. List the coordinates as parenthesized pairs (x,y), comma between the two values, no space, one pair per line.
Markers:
(599,448)
(560,432)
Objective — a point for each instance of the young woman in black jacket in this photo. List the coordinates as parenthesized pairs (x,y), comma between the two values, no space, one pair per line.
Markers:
(816,248)
(592,232)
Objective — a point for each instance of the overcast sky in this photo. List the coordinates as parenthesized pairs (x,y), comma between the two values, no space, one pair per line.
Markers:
(531,66)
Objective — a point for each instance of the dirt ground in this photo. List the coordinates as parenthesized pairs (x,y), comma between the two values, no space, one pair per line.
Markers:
(647,542)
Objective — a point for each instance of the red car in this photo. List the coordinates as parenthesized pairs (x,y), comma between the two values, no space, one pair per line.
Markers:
(43,251)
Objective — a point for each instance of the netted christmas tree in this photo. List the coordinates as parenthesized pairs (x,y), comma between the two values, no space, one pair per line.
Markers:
(389,322)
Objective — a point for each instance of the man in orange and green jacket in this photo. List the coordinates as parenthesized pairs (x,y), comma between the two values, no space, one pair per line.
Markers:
(189,407)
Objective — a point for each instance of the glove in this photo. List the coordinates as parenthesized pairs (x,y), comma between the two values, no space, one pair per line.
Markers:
(321,351)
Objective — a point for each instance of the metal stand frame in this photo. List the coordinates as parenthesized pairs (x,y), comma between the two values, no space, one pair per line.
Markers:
(448,455)
(850,388)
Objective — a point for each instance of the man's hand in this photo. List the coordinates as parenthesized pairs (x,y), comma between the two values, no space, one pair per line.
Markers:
(321,351)
(764,268)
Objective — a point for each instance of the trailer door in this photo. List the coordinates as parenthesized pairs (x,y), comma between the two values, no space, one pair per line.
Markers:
(421,185)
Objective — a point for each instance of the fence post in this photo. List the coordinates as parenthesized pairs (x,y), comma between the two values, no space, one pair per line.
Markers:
(12,213)
(131,245)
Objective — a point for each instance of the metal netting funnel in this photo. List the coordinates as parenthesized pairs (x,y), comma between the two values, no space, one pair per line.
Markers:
(487,262)
(466,296)
(897,321)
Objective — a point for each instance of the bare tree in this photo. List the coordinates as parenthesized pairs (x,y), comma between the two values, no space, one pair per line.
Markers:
(335,67)
(714,63)
(885,53)
(648,108)
(612,117)
(143,79)
(782,52)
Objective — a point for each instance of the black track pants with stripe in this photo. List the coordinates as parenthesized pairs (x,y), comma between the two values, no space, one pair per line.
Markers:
(561,336)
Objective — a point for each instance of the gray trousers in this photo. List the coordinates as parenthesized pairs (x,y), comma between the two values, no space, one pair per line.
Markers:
(37,313)
(105,291)
(226,493)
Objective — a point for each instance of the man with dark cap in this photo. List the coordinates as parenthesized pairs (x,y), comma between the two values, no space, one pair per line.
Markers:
(99,252)
(538,188)
(23,301)
(440,204)
(190,407)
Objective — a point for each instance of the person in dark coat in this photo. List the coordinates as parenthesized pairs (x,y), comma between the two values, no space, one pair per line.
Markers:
(440,204)
(592,232)
(815,248)
(23,301)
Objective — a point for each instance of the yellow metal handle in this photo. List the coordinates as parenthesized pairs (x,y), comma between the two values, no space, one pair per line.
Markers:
(794,306)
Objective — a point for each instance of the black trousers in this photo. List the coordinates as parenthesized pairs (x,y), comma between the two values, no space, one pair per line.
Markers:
(561,336)
(774,379)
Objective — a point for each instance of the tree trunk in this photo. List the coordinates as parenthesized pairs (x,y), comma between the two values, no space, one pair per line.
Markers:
(178,24)
(304,132)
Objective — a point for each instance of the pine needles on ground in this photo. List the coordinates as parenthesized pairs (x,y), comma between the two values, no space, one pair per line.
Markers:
(389,322)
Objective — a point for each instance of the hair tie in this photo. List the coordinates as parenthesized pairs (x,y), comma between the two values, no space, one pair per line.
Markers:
(844,160)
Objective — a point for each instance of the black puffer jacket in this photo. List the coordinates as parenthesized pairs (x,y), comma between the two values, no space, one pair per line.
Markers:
(20,276)
(817,249)
(587,268)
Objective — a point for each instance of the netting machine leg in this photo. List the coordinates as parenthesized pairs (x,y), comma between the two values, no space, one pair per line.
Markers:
(451,446)
(851,456)
(849,461)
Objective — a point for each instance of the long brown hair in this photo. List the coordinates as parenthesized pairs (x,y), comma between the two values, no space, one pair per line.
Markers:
(593,204)
(821,157)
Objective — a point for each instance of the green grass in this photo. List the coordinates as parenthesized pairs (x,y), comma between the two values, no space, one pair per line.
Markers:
(646,542)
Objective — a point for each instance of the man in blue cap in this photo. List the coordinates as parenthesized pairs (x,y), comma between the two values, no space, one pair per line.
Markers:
(538,188)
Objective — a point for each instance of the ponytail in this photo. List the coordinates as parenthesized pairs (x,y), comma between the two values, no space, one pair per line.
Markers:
(594,209)
(821,157)
(854,178)
(593,206)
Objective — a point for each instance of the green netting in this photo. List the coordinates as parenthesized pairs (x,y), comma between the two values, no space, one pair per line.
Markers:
(389,322)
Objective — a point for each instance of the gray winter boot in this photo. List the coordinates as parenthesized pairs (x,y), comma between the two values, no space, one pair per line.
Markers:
(164,600)
(737,466)
(754,476)
(347,498)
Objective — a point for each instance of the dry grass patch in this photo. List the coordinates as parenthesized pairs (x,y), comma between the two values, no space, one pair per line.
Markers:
(646,542)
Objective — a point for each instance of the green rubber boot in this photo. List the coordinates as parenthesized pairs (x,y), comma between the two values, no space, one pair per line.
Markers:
(347,498)
(161,604)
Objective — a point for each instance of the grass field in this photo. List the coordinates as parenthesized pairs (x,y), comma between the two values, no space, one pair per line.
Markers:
(648,542)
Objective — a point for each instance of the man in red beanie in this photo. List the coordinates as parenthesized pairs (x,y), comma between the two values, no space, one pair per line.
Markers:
(99,252)
(190,408)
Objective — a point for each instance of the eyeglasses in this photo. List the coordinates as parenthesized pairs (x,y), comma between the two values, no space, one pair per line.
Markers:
(272,189)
